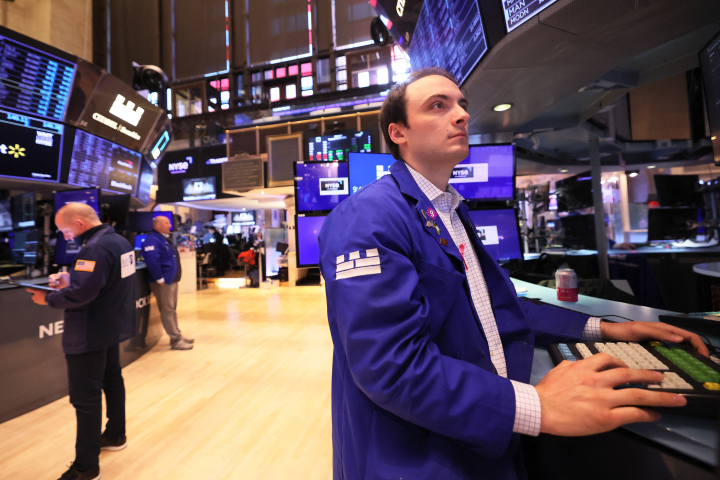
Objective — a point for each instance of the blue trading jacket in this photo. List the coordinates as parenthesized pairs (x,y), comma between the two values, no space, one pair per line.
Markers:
(414,393)
(159,258)
(99,303)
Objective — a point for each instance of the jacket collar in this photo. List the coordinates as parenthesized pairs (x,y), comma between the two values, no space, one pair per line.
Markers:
(87,234)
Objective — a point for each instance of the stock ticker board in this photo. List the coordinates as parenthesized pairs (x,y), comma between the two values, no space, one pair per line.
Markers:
(449,34)
(34,82)
(518,12)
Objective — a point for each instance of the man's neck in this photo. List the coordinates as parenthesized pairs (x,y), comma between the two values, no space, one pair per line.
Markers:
(435,173)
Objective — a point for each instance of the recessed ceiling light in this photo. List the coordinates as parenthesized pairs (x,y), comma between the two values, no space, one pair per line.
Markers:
(502,107)
(563,170)
(633,174)
(262,192)
(713,137)
(651,167)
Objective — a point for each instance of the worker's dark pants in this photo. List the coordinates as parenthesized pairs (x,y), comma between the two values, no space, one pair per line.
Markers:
(89,374)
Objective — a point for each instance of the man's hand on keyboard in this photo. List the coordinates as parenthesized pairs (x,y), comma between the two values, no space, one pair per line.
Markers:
(641,331)
(578,398)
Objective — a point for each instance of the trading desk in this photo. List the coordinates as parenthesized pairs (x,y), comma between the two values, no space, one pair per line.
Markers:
(691,443)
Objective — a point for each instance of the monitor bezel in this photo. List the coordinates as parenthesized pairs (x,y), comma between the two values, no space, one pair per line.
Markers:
(517,226)
(514,175)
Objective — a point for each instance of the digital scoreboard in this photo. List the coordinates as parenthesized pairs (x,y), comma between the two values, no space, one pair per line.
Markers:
(449,35)
(518,12)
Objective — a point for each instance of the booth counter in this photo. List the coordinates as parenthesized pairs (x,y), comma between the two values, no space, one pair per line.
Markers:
(32,364)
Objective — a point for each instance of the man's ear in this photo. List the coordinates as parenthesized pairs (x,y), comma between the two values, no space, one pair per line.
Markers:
(397,133)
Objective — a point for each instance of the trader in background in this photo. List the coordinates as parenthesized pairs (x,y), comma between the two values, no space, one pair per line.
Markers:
(98,296)
(164,272)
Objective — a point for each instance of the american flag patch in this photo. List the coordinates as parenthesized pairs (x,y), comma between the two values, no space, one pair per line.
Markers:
(357,266)
(84,266)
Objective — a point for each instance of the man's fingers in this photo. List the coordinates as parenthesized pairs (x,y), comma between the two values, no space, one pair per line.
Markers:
(624,415)
(646,398)
(602,361)
(668,333)
(619,376)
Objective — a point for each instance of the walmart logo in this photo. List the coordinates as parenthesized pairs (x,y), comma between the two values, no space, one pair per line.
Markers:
(17,151)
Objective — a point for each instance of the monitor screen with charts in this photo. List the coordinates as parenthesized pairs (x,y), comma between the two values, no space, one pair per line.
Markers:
(488,174)
(307,230)
(335,146)
(320,186)
(498,232)
(365,168)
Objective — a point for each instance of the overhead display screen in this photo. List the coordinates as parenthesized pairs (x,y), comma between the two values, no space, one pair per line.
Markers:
(449,35)
(337,145)
(116,112)
(307,230)
(30,148)
(518,12)
(98,162)
(487,174)
(320,186)
(498,232)
(365,168)
(32,81)
(199,189)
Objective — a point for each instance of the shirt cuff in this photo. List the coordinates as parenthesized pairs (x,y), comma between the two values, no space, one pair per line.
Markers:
(161,281)
(528,412)
(591,333)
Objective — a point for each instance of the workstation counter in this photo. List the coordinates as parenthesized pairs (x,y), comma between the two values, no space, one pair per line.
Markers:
(678,443)
(32,365)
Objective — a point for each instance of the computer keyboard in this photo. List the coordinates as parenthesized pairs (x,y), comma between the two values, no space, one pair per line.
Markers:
(685,371)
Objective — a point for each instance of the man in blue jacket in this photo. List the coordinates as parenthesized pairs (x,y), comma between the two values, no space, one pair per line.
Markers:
(433,350)
(164,272)
(98,296)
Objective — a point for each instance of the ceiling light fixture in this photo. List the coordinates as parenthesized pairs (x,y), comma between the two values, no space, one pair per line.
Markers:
(502,107)
(651,167)
(563,170)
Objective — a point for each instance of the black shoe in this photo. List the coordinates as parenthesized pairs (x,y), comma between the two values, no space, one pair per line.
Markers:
(189,340)
(72,474)
(113,445)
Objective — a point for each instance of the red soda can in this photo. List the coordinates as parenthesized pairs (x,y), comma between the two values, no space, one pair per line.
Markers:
(566,284)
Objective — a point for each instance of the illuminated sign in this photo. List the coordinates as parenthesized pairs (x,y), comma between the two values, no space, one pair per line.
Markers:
(333,186)
(160,145)
(126,112)
(180,167)
(400,7)
(216,161)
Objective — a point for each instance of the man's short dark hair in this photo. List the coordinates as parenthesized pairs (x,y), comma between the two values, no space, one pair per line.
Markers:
(394,108)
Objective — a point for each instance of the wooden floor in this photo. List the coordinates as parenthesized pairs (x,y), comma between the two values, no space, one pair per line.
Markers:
(251,401)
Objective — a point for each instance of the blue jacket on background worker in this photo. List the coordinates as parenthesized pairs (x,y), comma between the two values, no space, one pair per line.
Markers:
(159,258)
(99,303)
(414,392)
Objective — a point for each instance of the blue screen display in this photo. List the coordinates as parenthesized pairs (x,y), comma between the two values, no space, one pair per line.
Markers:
(65,252)
(308,251)
(487,174)
(365,168)
(320,186)
(498,232)
(139,239)
(168,215)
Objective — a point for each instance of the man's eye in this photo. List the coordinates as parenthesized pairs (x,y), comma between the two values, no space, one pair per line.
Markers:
(436,105)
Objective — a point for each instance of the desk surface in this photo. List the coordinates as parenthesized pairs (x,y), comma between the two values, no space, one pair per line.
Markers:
(694,437)
(645,250)
(711,269)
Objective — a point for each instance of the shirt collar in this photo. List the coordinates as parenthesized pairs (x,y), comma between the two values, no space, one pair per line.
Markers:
(446,201)
(83,237)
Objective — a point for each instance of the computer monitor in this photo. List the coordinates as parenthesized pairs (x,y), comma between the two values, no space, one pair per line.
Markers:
(24,210)
(320,186)
(139,239)
(168,215)
(365,168)
(18,245)
(140,221)
(678,190)
(671,223)
(88,196)
(488,174)
(6,223)
(498,231)
(579,232)
(30,253)
(115,209)
(199,189)
(574,193)
(709,61)
(335,146)
(307,230)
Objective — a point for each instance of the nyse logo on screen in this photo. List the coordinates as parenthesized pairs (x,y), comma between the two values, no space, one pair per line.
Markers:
(333,186)
(126,112)
(463,171)
(470,173)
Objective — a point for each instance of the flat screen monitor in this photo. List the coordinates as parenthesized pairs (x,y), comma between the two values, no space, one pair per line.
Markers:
(30,254)
(33,80)
(365,168)
(670,223)
(488,174)
(24,210)
(518,12)
(99,162)
(139,239)
(678,190)
(140,221)
(6,223)
(449,35)
(88,196)
(579,232)
(147,178)
(30,148)
(244,218)
(498,232)
(115,209)
(710,67)
(307,230)
(199,189)
(320,186)
(574,193)
(335,146)
(168,215)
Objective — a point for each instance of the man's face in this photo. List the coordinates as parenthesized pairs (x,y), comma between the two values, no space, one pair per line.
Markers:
(162,225)
(70,229)
(437,131)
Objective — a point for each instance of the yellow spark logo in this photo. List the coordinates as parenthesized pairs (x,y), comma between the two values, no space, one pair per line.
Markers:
(17,151)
